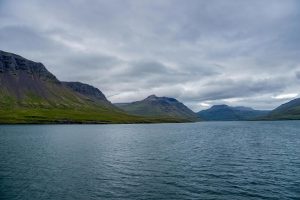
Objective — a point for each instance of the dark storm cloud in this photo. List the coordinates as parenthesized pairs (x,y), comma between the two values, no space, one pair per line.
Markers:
(201,52)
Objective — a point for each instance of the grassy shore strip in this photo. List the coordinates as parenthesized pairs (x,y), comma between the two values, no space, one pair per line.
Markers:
(71,116)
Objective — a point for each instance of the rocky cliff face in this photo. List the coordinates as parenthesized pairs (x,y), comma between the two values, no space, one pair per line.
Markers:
(12,64)
(86,90)
(29,83)
(29,93)
(154,98)
(22,79)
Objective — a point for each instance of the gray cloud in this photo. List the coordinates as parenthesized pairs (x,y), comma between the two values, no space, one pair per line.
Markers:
(201,52)
(298,74)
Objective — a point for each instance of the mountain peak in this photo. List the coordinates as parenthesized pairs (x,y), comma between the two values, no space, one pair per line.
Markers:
(224,106)
(159,106)
(12,64)
(219,106)
(152,97)
(160,99)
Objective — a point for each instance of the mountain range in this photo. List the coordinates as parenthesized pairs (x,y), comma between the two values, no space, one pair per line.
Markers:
(228,113)
(29,93)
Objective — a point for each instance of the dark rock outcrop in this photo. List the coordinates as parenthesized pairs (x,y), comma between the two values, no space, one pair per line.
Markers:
(86,90)
(12,64)
(29,93)
(29,83)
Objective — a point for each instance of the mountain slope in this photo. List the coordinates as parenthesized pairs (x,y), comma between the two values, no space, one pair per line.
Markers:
(159,107)
(289,110)
(227,113)
(93,94)
(29,93)
(27,83)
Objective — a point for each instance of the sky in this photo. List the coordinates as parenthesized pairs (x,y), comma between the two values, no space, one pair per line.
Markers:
(202,52)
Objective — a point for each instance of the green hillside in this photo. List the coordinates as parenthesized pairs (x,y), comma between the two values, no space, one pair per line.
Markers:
(287,111)
(29,93)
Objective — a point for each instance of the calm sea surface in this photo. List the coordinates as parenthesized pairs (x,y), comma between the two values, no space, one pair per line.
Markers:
(208,160)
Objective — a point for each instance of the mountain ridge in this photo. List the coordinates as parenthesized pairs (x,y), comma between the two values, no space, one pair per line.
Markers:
(159,106)
(88,90)
(228,113)
(29,93)
(287,111)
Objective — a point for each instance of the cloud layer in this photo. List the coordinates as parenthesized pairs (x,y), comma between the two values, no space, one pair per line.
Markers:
(201,52)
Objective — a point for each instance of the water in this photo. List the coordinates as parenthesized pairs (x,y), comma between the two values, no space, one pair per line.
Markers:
(208,160)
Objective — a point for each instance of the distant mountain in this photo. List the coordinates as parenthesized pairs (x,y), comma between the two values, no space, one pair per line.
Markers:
(159,106)
(289,110)
(228,113)
(29,93)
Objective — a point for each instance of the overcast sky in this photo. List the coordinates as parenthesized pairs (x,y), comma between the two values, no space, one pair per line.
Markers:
(200,52)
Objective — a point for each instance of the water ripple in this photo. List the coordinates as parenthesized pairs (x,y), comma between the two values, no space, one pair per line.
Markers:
(222,160)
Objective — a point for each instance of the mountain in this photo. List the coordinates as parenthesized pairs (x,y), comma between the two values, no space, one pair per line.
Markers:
(29,93)
(289,110)
(228,113)
(159,107)
(93,93)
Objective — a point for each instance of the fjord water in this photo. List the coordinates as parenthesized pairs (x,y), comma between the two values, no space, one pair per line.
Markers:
(207,160)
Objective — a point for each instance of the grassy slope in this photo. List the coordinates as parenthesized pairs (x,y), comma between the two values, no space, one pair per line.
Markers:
(292,114)
(286,111)
(34,109)
(141,109)
(29,93)
(42,115)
